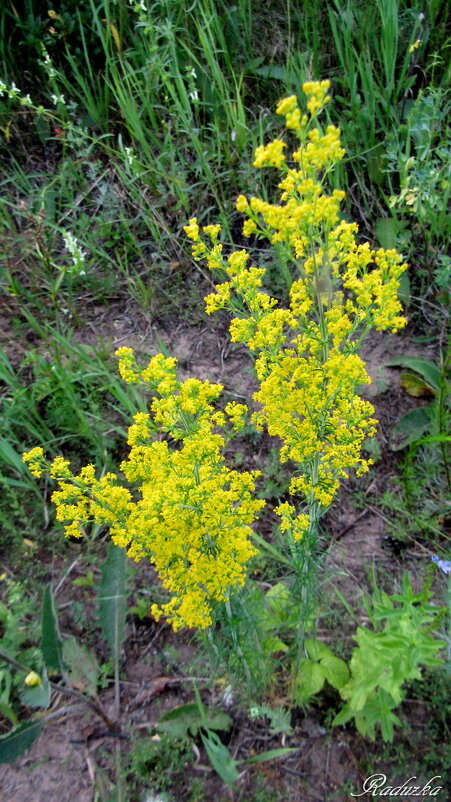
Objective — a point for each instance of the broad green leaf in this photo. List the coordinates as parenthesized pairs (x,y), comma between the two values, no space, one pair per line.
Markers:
(113,600)
(317,650)
(310,680)
(38,696)
(410,428)
(188,719)
(415,385)
(273,645)
(343,716)
(364,727)
(275,71)
(16,742)
(271,754)
(335,670)
(278,596)
(424,367)
(359,697)
(83,670)
(220,758)
(51,643)
(387,230)
(404,289)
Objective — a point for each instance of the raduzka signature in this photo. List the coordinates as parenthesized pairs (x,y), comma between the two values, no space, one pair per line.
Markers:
(376,785)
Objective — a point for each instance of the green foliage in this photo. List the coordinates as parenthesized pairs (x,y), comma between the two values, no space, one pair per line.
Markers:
(390,652)
(419,154)
(64,657)
(417,501)
(161,760)
(220,757)
(18,633)
(188,720)
(399,644)
(321,665)
(279,718)
(430,423)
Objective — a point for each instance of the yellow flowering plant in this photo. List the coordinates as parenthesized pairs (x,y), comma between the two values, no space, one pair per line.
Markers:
(307,360)
(177,502)
(191,514)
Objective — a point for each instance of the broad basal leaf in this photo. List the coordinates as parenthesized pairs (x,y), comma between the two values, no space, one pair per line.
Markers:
(51,643)
(83,670)
(113,600)
(16,742)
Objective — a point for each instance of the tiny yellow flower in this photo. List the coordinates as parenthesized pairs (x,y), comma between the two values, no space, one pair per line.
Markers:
(192,230)
(241,204)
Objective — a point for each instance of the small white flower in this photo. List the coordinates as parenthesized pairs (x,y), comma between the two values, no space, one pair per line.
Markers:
(58,99)
(13,90)
(77,253)
(129,155)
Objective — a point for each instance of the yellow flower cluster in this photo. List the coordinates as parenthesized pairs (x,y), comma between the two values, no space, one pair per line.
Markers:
(306,354)
(270,155)
(190,515)
(36,461)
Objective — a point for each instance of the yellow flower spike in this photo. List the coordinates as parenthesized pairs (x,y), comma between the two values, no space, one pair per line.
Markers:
(241,204)
(127,365)
(60,469)
(237,414)
(35,460)
(293,120)
(192,230)
(249,228)
(212,231)
(270,155)
(287,105)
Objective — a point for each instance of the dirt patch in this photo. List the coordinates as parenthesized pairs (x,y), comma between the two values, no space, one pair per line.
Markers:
(56,769)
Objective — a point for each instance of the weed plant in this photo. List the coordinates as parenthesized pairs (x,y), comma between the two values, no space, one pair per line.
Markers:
(193,514)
